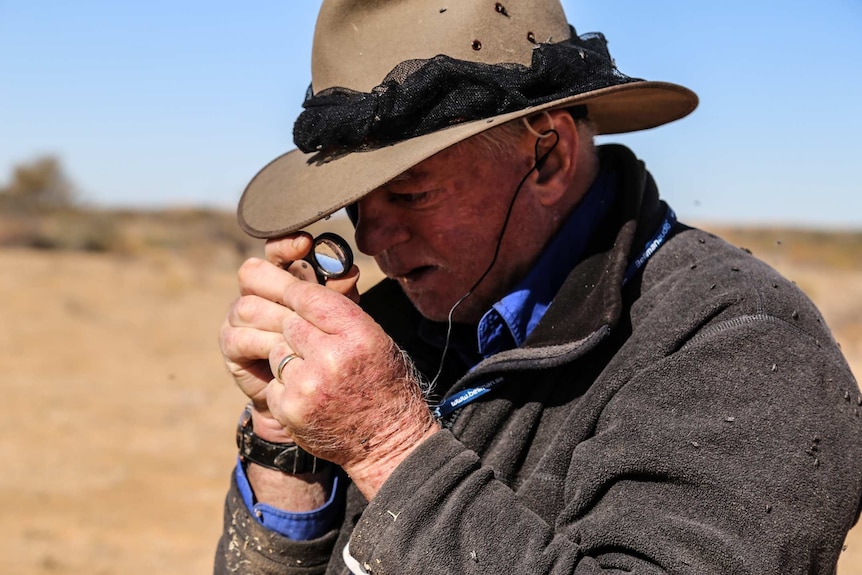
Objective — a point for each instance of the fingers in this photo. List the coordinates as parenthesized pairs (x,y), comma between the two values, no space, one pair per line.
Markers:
(245,345)
(346,284)
(287,253)
(246,338)
(325,309)
(281,251)
(257,312)
(267,280)
(277,402)
(279,358)
(281,392)
(262,278)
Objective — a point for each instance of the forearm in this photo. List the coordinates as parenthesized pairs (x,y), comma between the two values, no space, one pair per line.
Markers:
(293,493)
(303,490)
(370,475)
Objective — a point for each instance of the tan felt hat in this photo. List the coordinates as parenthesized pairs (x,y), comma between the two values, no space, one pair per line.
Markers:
(396,81)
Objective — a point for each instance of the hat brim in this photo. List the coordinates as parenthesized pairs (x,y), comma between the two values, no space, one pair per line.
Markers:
(296,189)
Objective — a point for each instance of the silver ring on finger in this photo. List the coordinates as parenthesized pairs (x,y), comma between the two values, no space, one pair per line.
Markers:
(284,361)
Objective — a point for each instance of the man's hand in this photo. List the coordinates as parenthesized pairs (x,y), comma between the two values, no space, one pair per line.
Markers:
(253,324)
(350,396)
(250,331)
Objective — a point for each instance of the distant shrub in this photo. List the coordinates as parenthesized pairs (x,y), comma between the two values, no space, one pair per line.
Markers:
(204,234)
(38,185)
(75,230)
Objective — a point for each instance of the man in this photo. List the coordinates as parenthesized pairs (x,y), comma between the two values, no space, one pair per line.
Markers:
(557,376)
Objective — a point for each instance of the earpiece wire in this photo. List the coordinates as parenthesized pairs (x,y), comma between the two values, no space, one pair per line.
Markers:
(536,165)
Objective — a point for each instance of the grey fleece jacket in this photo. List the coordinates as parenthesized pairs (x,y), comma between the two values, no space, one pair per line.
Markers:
(699,420)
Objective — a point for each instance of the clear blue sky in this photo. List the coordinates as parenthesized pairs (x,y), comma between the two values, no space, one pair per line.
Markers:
(163,103)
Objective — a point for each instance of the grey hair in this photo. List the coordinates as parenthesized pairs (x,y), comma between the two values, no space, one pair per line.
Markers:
(499,143)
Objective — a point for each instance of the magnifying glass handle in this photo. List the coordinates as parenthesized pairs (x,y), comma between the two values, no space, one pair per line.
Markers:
(304,270)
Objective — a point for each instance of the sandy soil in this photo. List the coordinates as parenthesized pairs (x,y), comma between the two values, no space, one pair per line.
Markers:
(119,415)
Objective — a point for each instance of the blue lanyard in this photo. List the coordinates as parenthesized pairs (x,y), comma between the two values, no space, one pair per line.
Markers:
(652,245)
(465,396)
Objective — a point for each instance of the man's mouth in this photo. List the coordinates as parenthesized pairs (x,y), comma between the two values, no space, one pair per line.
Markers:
(416,274)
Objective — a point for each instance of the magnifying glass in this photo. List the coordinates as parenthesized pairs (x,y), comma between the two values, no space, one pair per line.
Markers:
(330,257)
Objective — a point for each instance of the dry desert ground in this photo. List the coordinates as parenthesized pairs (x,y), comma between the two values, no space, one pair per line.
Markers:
(119,416)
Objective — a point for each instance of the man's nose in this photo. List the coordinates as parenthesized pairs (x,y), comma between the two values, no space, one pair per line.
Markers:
(378,226)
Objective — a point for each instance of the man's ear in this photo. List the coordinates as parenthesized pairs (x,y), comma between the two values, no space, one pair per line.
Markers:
(556,155)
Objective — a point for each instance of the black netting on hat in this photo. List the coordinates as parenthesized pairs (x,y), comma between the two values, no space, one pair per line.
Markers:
(421,96)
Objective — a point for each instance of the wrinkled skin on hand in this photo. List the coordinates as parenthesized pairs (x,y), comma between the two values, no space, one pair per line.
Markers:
(253,323)
(350,397)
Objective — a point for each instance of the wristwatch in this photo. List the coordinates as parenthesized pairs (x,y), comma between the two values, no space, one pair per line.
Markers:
(285,457)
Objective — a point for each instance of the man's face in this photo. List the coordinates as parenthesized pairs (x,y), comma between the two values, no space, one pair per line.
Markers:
(435,229)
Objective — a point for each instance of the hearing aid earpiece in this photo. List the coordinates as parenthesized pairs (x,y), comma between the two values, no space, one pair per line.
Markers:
(539,160)
(547,133)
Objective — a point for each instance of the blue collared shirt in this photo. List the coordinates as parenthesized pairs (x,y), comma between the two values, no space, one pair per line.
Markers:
(505,326)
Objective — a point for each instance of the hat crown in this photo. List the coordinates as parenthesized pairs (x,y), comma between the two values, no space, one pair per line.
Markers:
(358,42)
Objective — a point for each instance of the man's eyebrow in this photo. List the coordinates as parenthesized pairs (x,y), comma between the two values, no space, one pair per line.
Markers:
(407,175)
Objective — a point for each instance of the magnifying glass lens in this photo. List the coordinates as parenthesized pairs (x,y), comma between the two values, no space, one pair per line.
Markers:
(331,256)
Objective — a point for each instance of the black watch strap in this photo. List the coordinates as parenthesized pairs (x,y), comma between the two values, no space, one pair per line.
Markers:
(285,457)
